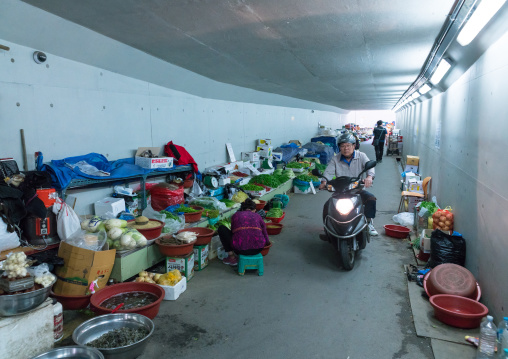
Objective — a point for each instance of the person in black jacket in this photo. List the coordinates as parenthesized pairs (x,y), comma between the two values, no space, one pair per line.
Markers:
(379,140)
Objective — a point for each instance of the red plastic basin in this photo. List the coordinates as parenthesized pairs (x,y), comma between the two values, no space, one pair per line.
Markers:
(449,278)
(150,233)
(149,310)
(273,228)
(174,250)
(266,248)
(431,290)
(277,220)
(459,312)
(194,216)
(204,234)
(260,205)
(396,231)
(72,302)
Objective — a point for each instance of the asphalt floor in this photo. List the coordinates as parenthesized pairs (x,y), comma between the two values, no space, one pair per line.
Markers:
(305,305)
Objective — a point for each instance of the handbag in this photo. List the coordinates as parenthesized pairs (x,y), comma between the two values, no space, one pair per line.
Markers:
(375,142)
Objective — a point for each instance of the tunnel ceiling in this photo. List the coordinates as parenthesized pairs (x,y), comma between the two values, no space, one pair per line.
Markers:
(352,54)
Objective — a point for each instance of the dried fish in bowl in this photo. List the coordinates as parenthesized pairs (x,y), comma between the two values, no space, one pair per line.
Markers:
(119,338)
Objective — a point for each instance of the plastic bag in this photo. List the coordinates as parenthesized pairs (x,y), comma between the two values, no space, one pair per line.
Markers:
(173,225)
(150,213)
(404,219)
(87,240)
(446,248)
(7,240)
(67,220)
(209,203)
(443,219)
(164,195)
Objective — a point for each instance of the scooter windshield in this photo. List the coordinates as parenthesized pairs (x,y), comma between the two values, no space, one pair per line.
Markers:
(344,183)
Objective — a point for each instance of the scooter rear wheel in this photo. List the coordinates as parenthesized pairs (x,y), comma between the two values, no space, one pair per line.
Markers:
(347,254)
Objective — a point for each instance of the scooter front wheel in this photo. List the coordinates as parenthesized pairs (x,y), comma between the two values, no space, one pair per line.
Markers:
(347,254)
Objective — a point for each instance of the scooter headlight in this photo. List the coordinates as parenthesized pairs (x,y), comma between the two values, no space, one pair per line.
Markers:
(344,206)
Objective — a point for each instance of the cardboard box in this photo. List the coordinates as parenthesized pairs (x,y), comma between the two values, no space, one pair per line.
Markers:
(81,267)
(224,181)
(410,168)
(184,264)
(277,156)
(425,240)
(109,204)
(412,202)
(250,156)
(265,141)
(412,160)
(201,257)
(265,151)
(151,163)
(415,186)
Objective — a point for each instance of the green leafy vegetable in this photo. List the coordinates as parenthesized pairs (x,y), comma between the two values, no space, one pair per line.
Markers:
(275,213)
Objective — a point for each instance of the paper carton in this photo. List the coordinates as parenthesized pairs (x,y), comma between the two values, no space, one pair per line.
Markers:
(250,156)
(184,264)
(81,267)
(201,257)
(412,160)
(265,151)
(415,186)
(151,163)
(109,204)
(265,141)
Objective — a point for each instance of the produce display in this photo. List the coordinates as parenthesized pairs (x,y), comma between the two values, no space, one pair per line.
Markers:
(239,174)
(223,222)
(15,265)
(170,215)
(307,178)
(273,180)
(239,197)
(170,278)
(251,187)
(275,213)
(443,220)
(288,173)
(120,237)
(296,165)
(229,203)
(118,338)
(185,209)
(320,167)
(212,213)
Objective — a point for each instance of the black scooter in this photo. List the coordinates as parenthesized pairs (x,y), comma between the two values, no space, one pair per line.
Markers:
(345,224)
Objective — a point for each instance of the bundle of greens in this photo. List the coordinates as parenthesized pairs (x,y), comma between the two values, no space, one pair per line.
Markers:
(275,213)
(185,209)
(228,202)
(170,215)
(296,165)
(251,187)
(267,180)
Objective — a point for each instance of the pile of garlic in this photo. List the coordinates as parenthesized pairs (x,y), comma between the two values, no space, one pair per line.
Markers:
(45,280)
(15,265)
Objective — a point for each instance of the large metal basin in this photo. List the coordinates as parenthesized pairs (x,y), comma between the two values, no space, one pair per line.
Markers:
(24,302)
(74,352)
(95,327)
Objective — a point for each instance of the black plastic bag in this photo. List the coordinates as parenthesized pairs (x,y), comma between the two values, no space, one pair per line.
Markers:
(446,248)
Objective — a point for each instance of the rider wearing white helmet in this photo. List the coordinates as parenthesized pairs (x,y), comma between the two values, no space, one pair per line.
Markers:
(350,162)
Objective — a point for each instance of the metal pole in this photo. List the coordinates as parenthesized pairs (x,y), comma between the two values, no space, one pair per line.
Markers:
(23,148)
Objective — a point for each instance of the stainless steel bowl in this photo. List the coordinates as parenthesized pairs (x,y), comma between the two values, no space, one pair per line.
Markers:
(95,327)
(15,304)
(74,352)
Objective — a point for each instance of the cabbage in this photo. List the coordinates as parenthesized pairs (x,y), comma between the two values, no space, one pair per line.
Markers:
(93,225)
(116,223)
(127,241)
(84,224)
(115,233)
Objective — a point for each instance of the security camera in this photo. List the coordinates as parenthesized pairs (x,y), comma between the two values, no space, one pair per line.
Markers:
(39,57)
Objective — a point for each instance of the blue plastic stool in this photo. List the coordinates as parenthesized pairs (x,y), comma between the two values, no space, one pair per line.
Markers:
(250,262)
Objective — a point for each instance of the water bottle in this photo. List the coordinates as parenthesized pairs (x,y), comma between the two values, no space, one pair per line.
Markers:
(488,339)
(502,337)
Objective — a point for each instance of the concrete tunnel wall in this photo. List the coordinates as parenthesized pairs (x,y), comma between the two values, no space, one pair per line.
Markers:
(94,94)
(460,137)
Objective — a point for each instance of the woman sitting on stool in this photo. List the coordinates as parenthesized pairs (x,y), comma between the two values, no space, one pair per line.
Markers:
(247,235)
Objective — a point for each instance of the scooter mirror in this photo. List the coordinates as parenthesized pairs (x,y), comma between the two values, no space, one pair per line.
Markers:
(369,165)
(316,172)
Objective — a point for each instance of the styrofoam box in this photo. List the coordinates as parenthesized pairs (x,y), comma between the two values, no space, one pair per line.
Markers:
(297,190)
(109,204)
(151,163)
(425,240)
(172,293)
(250,156)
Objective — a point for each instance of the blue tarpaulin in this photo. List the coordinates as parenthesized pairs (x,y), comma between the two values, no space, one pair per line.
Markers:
(62,172)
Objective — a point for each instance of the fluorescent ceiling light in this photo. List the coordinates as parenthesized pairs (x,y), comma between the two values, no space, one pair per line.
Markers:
(478,20)
(424,89)
(441,70)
